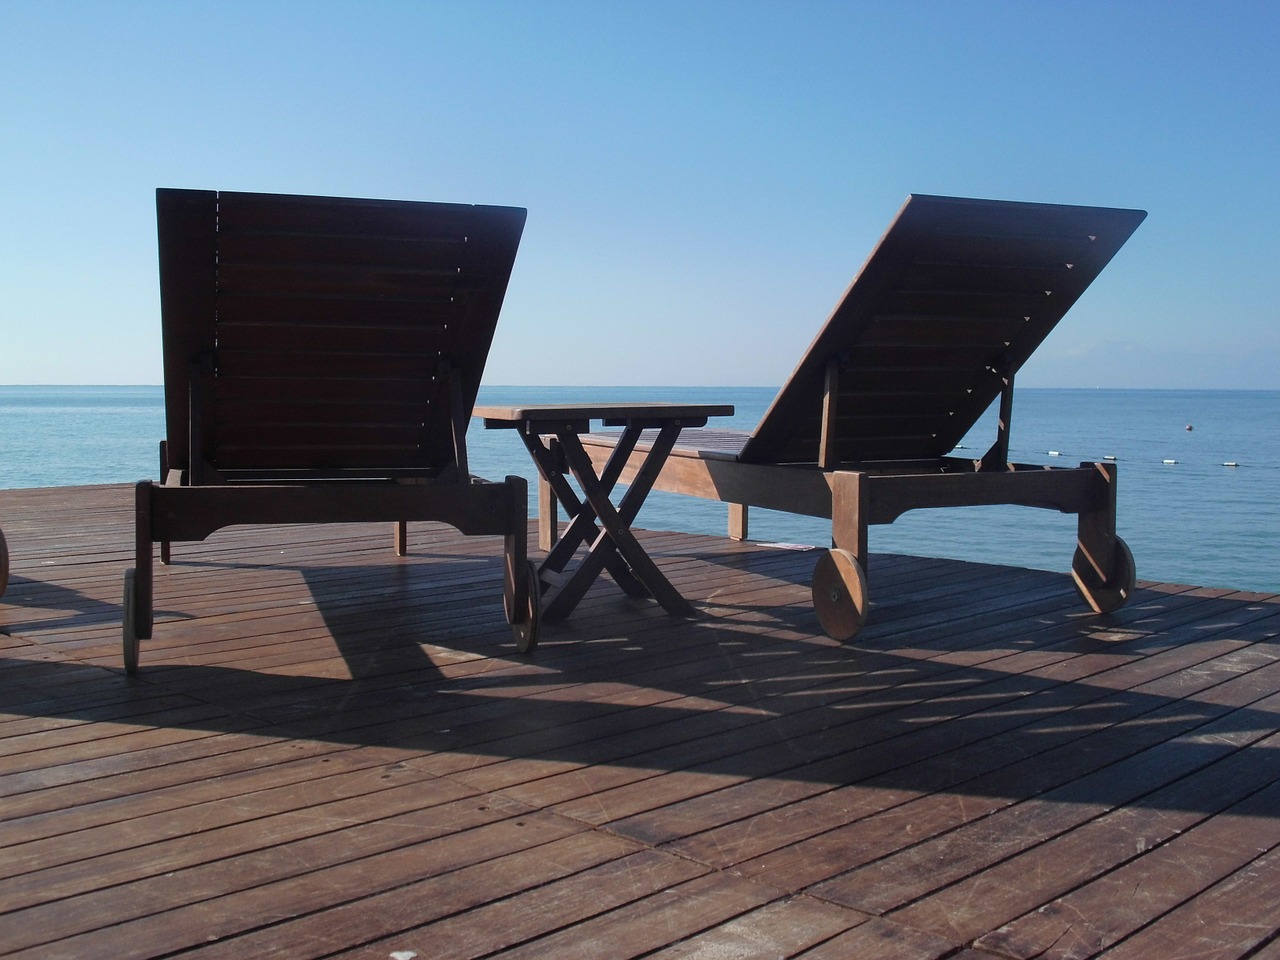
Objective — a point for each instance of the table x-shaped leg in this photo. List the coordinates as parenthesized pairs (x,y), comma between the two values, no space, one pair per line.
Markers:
(615,544)
(548,457)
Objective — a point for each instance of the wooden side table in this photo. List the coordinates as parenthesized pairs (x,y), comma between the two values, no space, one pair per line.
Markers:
(551,434)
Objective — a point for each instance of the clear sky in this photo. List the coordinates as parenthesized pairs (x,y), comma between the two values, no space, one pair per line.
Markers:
(703,178)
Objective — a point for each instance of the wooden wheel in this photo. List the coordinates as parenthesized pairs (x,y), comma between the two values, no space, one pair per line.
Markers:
(525,623)
(130,606)
(1112,594)
(840,594)
(4,565)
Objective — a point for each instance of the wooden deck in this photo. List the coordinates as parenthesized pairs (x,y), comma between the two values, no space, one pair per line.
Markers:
(332,752)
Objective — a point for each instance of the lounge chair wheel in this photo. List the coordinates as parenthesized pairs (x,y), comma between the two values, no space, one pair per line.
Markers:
(4,565)
(840,594)
(130,606)
(525,623)
(1105,597)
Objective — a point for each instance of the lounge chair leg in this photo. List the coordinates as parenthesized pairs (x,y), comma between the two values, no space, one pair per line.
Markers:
(840,575)
(737,521)
(849,513)
(401,538)
(129,606)
(138,612)
(548,517)
(521,592)
(1102,567)
(527,621)
(165,553)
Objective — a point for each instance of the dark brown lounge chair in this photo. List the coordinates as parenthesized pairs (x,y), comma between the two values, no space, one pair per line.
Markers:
(952,302)
(321,359)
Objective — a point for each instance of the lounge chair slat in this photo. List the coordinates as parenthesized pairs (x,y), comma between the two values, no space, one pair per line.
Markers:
(327,365)
(1007,306)
(905,328)
(924,356)
(320,338)
(338,311)
(343,251)
(889,383)
(330,216)
(343,390)
(320,281)
(319,411)
(321,446)
(981,278)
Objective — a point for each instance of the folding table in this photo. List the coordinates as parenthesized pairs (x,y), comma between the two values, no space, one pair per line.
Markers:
(551,434)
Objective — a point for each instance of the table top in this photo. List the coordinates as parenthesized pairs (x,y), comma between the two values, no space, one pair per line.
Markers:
(615,412)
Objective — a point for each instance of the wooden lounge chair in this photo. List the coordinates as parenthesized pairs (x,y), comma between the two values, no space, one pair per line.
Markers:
(954,299)
(321,359)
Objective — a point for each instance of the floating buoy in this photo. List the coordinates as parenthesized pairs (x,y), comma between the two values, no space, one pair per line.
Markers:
(1190,427)
(1231,463)
(1109,457)
(1054,453)
(1171,461)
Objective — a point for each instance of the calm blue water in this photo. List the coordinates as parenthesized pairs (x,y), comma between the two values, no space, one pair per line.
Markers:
(1193,521)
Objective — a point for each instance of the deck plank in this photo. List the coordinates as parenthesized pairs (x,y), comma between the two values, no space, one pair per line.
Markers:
(334,751)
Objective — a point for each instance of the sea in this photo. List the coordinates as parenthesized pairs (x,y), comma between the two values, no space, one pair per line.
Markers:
(1199,471)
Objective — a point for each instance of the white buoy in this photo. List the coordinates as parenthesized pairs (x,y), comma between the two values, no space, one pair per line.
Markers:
(1171,461)
(1054,453)
(1110,456)
(1231,463)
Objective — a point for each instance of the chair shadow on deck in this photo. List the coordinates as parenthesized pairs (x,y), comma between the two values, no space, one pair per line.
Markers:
(1049,701)
(31,603)
(377,615)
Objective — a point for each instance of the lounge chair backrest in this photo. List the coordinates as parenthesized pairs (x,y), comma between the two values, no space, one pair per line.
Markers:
(311,337)
(954,299)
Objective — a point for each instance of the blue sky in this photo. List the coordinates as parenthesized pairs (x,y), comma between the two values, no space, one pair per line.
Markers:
(703,178)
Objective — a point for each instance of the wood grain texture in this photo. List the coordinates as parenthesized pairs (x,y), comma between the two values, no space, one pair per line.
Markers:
(335,751)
